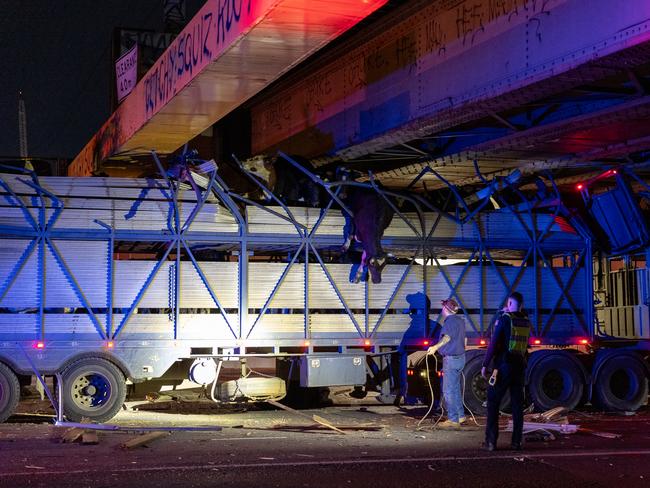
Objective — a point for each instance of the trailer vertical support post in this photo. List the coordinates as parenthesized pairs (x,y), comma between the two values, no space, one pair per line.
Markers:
(367,300)
(109,286)
(306,290)
(481,279)
(243,283)
(589,289)
(535,280)
(43,261)
(109,277)
(41,288)
(177,284)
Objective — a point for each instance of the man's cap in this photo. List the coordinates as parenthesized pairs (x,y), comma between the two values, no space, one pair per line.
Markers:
(450,304)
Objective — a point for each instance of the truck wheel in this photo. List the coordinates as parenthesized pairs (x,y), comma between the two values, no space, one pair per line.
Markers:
(621,384)
(92,388)
(476,388)
(9,392)
(556,381)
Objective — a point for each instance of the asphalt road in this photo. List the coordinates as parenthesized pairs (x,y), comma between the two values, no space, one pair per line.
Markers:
(269,448)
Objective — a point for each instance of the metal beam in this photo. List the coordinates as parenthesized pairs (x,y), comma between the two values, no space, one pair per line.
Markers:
(229,51)
(413,79)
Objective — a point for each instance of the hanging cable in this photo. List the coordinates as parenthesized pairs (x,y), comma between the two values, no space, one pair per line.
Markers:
(465,405)
(442,410)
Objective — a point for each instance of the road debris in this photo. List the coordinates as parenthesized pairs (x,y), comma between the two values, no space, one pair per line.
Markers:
(547,426)
(315,418)
(597,433)
(318,426)
(71,435)
(544,424)
(89,438)
(540,426)
(144,439)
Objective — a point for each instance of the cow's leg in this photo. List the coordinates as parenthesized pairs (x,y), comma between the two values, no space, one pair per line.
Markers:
(314,194)
(363,267)
(348,233)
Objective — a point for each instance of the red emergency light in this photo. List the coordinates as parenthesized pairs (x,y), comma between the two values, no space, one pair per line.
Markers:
(537,342)
(583,341)
(482,342)
(579,186)
(307,343)
(110,345)
(425,342)
(39,345)
(366,342)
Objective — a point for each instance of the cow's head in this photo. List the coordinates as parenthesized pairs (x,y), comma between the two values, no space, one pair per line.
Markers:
(260,166)
(375,267)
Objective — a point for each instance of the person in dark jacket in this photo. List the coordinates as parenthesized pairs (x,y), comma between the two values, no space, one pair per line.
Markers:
(506,356)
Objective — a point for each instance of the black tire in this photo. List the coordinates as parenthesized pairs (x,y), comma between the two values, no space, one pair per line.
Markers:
(476,388)
(9,392)
(621,384)
(93,388)
(556,381)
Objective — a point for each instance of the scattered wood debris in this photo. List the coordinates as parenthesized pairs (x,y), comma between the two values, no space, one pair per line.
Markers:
(361,427)
(606,435)
(71,435)
(313,418)
(540,426)
(89,437)
(561,428)
(555,415)
(144,439)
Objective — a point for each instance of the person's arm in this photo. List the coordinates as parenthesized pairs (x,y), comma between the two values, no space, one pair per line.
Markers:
(495,344)
(445,339)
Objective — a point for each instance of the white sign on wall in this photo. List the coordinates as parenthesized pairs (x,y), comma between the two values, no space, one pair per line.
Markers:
(126,72)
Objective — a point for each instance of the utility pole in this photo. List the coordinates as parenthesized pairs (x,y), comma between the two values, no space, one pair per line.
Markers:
(22,131)
(22,125)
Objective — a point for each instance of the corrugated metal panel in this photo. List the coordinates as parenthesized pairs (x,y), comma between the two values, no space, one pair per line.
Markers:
(263,278)
(142,205)
(24,291)
(19,326)
(495,226)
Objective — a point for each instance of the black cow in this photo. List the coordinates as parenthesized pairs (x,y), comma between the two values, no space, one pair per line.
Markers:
(287,182)
(372,215)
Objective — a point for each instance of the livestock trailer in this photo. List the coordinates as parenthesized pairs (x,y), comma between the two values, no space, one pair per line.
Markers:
(107,282)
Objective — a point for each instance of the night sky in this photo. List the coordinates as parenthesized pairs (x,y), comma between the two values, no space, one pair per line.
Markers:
(59,54)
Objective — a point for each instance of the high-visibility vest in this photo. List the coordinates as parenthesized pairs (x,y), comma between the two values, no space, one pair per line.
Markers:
(519,333)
